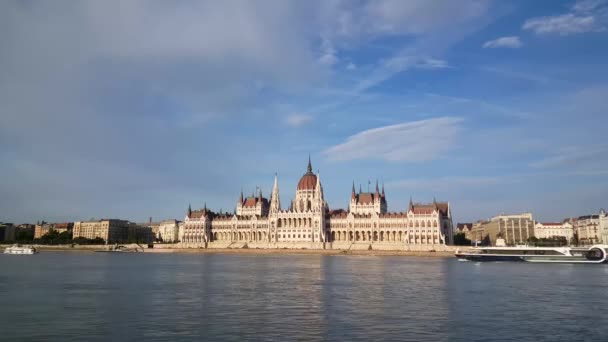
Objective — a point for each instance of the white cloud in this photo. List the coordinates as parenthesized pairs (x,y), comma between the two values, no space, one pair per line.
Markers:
(565,24)
(329,56)
(328,59)
(569,157)
(587,5)
(512,42)
(586,16)
(297,120)
(396,17)
(397,64)
(351,66)
(415,141)
(444,183)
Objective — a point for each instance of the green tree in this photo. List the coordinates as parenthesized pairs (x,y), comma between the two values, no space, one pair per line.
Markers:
(533,240)
(24,236)
(460,239)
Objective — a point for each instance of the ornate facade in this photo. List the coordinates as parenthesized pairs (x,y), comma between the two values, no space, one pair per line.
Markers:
(309,220)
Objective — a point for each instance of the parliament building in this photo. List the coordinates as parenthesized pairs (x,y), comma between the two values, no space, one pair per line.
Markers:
(309,223)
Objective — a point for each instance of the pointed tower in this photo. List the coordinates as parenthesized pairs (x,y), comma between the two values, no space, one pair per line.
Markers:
(383,205)
(275,202)
(309,168)
(377,195)
(352,192)
(411,205)
(189,210)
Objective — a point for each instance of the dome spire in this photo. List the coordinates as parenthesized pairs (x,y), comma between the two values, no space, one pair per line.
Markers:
(309,168)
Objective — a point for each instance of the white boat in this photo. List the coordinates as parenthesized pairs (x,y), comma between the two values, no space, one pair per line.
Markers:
(574,255)
(16,249)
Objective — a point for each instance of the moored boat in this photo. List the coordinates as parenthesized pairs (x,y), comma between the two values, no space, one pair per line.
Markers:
(16,249)
(575,255)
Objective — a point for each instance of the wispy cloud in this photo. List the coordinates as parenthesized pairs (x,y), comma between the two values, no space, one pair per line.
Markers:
(512,42)
(297,120)
(329,55)
(573,157)
(399,63)
(416,141)
(585,16)
(436,184)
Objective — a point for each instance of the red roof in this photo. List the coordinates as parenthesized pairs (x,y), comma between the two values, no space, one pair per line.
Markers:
(463,226)
(251,202)
(308,181)
(551,224)
(197,214)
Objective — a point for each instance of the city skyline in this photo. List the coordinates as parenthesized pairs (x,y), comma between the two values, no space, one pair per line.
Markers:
(135,110)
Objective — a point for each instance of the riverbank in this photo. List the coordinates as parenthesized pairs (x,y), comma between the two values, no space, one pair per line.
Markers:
(449,252)
(251,251)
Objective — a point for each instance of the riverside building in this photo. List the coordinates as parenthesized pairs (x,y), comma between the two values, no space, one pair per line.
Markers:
(514,229)
(259,222)
(45,228)
(548,230)
(113,231)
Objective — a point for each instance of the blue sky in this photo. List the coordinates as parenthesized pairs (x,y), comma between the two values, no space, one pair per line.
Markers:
(136,109)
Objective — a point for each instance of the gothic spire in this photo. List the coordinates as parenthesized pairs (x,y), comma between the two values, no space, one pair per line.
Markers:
(241,197)
(275,203)
(352,192)
(309,168)
(189,210)
(383,189)
(377,190)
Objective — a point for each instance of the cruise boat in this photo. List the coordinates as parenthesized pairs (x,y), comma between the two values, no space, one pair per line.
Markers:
(575,255)
(16,249)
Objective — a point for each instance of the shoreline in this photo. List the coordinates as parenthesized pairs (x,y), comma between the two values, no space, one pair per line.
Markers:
(259,251)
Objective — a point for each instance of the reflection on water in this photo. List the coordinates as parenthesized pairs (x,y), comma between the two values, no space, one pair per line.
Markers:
(110,297)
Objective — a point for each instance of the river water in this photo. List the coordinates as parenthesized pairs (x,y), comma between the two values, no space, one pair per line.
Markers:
(79,296)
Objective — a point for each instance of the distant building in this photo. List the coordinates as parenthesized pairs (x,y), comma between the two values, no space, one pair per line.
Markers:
(180,228)
(549,230)
(154,226)
(587,228)
(168,231)
(514,229)
(110,230)
(604,226)
(140,234)
(26,227)
(464,228)
(44,228)
(7,232)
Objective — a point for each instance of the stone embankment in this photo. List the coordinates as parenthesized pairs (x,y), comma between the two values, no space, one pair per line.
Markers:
(342,248)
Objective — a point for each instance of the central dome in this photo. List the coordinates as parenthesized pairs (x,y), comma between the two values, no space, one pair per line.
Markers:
(309,180)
